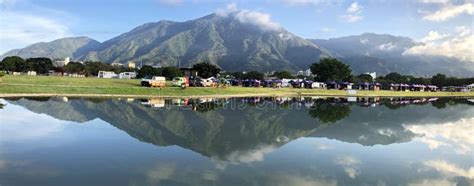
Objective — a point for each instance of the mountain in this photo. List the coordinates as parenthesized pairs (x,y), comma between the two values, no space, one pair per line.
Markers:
(383,53)
(58,49)
(222,40)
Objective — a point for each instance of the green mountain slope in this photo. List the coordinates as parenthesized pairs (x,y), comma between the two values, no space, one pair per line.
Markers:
(58,49)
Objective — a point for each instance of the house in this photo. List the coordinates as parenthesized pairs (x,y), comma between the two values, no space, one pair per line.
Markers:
(115,64)
(399,87)
(417,87)
(107,74)
(470,87)
(370,86)
(131,64)
(431,88)
(31,73)
(61,63)
(127,75)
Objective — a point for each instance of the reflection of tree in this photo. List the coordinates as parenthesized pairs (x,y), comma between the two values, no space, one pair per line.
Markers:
(442,103)
(207,106)
(328,111)
(2,105)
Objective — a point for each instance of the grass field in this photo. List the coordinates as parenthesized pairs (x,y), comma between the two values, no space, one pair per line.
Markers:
(68,86)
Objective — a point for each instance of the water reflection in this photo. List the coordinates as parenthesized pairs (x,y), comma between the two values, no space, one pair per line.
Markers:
(261,141)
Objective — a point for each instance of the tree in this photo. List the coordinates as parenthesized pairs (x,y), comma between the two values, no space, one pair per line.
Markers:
(363,78)
(41,65)
(147,70)
(329,112)
(74,68)
(171,72)
(283,74)
(330,69)
(93,68)
(13,64)
(1,75)
(206,70)
(254,75)
(395,77)
(439,80)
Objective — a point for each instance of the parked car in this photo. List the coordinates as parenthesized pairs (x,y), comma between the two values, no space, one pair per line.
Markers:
(180,82)
(196,82)
(154,81)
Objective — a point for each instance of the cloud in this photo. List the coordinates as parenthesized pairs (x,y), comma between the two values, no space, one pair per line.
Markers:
(433,36)
(230,8)
(309,2)
(259,19)
(434,1)
(350,165)
(353,13)
(458,45)
(463,30)
(449,169)
(327,29)
(171,2)
(38,24)
(449,12)
(387,46)
(458,135)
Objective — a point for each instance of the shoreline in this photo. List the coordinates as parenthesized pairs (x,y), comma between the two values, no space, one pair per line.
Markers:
(11,95)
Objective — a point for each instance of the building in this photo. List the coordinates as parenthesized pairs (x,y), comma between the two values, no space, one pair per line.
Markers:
(61,63)
(107,74)
(470,87)
(127,75)
(131,64)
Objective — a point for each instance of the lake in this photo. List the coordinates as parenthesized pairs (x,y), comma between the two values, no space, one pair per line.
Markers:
(237,141)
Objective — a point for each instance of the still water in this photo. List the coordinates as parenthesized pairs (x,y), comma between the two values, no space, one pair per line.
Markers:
(238,141)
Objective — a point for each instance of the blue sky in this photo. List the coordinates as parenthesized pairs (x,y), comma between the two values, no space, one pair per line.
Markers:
(24,22)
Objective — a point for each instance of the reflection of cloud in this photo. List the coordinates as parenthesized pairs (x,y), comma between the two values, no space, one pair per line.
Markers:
(26,168)
(250,156)
(458,135)
(432,182)
(160,172)
(300,180)
(450,169)
(20,125)
(322,146)
(350,165)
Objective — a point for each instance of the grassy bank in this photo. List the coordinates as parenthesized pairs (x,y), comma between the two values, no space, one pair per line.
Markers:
(50,86)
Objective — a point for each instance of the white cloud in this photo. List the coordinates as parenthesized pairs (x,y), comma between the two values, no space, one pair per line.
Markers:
(258,19)
(230,8)
(309,2)
(326,29)
(354,8)
(457,135)
(450,169)
(387,46)
(38,24)
(432,182)
(350,165)
(459,45)
(171,2)
(463,30)
(434,1)
(353,13)
(433,36)
(449,12)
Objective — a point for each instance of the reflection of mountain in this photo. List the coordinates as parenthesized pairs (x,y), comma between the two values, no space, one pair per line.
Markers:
(228,134)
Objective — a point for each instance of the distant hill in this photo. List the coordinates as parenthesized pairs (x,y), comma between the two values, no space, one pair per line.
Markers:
(66,47)
(241,46)
(383,53)
(225,41)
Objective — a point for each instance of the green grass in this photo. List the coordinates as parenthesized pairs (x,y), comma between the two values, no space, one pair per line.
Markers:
(51,85)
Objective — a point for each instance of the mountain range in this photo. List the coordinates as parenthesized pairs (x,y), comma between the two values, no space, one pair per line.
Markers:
(236,45)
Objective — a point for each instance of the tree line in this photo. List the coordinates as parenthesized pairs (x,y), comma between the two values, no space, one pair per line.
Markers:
(327,69)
